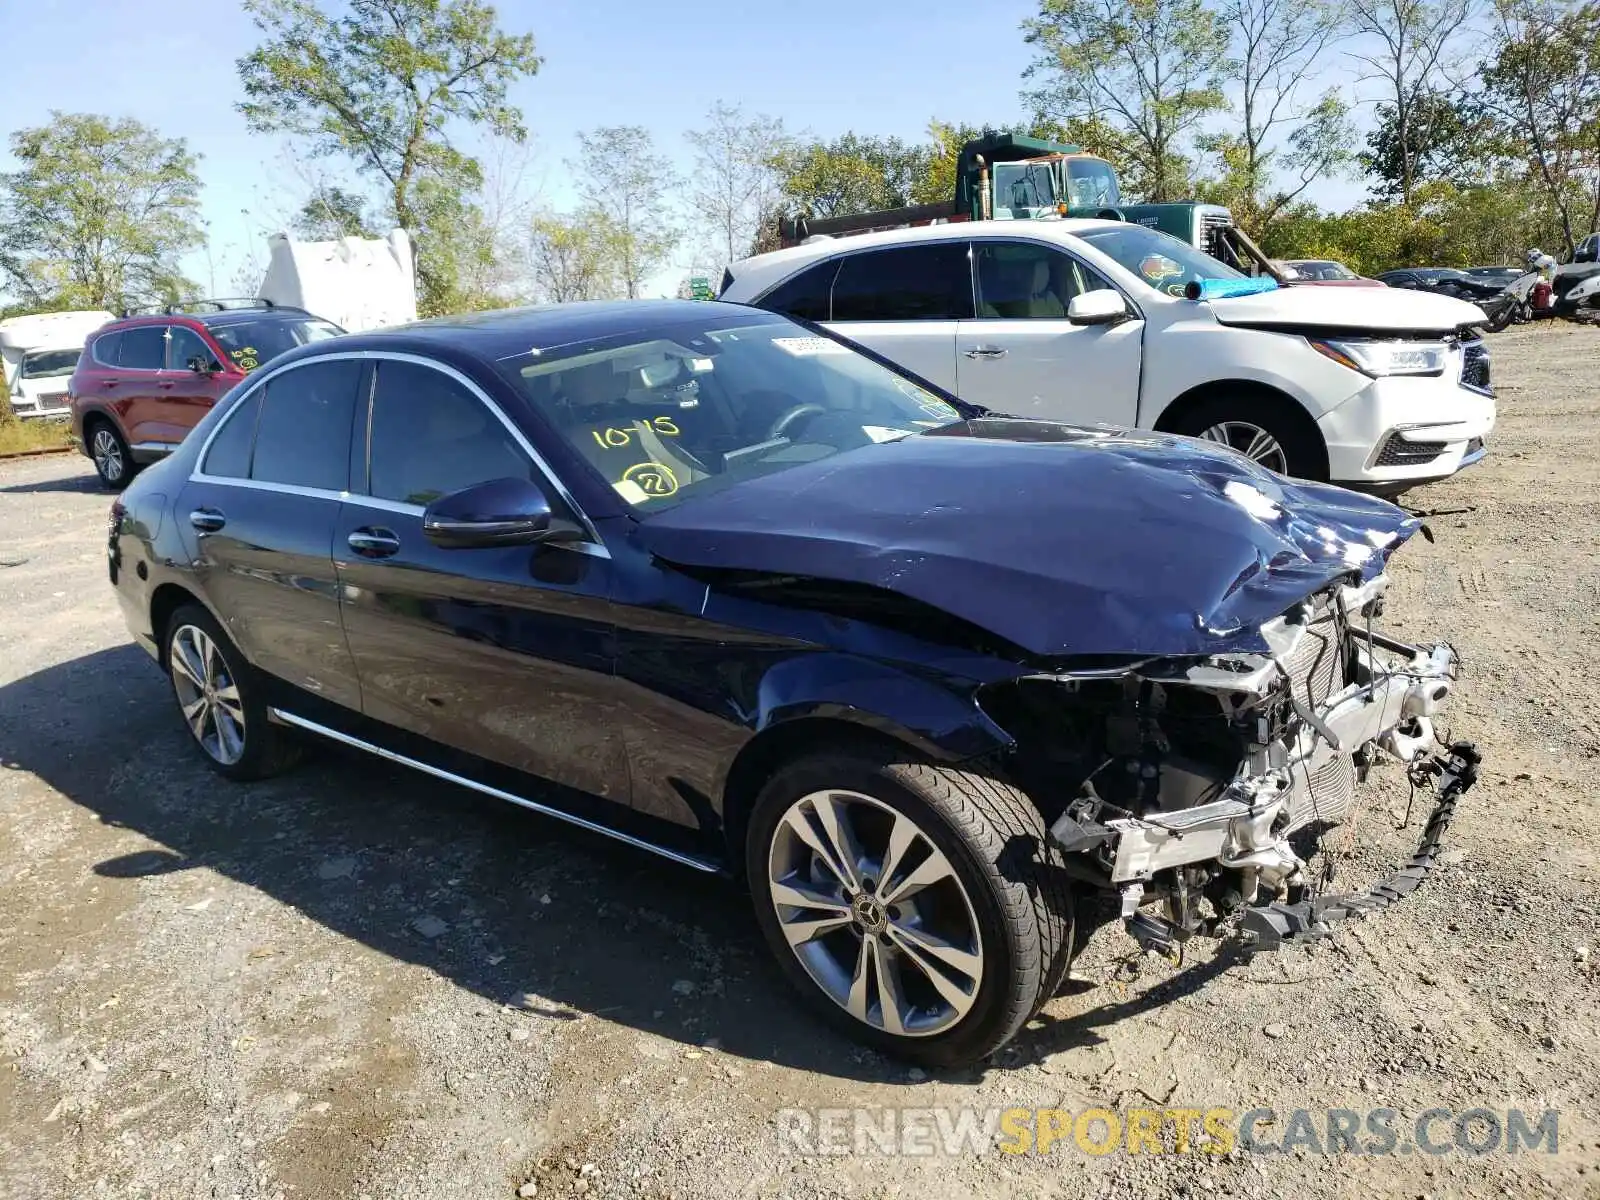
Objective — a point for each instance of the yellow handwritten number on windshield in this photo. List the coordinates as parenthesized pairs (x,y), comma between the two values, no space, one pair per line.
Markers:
(653,478)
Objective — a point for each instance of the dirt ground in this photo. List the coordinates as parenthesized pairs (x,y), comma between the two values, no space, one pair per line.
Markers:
(357,982)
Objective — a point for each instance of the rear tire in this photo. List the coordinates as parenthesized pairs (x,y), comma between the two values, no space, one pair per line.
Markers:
(109,452)
(1264,430)
(219,697)
(958,921)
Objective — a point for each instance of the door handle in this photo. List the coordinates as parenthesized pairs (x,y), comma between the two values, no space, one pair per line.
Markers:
(370,542)
(207,520)
(108,383)
(986,352)
(165,385)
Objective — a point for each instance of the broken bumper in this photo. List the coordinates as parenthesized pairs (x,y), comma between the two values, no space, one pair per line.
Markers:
(1269,926)
(1391,709)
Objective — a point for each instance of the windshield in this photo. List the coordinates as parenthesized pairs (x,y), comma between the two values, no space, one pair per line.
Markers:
(1021,190)
(248,344)
(1162,261)
(49,364)
(694,410)
(1091,183)
(1324,270)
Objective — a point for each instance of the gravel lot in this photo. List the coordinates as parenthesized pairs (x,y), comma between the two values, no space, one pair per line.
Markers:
(354,981)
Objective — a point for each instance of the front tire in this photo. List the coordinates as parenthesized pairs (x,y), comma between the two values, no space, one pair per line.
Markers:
(219,699)
(921,909)
(1264,431)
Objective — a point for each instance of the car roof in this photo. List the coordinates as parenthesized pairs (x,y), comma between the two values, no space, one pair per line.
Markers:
(514,332)
(230,316)
(761,269)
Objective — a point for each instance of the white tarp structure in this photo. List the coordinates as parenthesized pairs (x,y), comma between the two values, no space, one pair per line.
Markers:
(357,283)
(38,354)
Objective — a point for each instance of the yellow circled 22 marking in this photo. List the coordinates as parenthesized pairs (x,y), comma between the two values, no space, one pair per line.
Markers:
(652,477)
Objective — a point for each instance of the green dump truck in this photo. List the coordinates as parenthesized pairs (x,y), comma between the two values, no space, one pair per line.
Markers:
(1005,177)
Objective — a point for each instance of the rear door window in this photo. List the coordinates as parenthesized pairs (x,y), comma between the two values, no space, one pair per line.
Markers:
(107,347)
(303,432)
(929,282)
(228,456)
(144,348)
(807,296)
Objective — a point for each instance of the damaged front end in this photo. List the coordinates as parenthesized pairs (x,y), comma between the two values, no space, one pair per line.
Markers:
(1197,789)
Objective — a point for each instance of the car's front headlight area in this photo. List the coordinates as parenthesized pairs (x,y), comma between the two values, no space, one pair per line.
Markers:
(1379,359)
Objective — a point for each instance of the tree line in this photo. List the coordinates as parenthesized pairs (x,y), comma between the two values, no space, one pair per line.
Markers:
(1484,140)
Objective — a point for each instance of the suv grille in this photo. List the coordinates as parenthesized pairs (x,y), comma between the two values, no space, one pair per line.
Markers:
(1475,366)
(1397,452)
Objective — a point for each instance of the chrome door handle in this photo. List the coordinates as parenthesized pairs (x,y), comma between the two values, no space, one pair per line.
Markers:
(986,352)
(374,543)
(207,520)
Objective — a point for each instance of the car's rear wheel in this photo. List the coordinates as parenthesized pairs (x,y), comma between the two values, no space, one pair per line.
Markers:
(112,459)
(920,908)
(1263,430)
(219,699)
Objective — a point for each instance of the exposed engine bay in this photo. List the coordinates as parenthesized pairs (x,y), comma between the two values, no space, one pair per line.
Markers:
(1197,790)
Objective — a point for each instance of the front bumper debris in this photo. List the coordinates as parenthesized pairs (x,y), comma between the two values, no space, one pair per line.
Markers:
(1271,926)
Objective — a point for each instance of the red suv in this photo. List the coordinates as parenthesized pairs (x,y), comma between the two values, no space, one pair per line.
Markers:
(144,381)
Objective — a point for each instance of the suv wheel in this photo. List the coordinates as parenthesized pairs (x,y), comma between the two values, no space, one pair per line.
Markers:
(1262,431)
(920,908)
(112,460)
(218,698)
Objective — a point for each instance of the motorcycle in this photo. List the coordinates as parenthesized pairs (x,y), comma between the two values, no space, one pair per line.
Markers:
(1526,298)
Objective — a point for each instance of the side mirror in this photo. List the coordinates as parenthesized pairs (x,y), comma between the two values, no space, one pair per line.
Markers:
(502,512)
(1583,254)
(1103,306)
(201,367)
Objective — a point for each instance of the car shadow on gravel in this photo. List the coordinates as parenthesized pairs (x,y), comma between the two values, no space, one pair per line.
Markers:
(87,484)
(518,909)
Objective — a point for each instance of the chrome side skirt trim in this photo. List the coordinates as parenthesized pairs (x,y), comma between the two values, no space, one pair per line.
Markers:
(687,860)
(154,447)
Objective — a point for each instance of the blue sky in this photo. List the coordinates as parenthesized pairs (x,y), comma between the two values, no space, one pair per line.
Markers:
(825,65)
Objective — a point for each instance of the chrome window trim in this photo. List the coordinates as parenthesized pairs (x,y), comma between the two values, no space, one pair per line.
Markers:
(677,856)
(594,546)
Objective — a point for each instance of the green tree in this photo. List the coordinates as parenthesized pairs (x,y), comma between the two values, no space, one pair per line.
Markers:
(1281,144)
(97,214)
(333,212)
(1150,70)
(619,175)
(384,83)
(1443,143)
(1541,93)
(1408,53)
(459,262)
(575,258)
(854,174)
(735,180)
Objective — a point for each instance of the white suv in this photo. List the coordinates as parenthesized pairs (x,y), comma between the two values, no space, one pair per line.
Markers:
(1088,321)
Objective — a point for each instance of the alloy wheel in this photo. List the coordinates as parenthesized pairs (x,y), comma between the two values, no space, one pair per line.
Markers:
(207,693)
(107,454)
(876,913)
(1252,441)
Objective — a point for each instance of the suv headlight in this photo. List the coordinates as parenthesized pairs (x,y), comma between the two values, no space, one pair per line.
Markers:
(1378,359)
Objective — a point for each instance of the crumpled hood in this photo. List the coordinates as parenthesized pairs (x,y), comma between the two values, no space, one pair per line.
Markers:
(1376,310)
(1064,541)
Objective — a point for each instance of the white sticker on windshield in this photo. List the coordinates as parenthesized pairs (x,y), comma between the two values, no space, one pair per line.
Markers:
(803,347)
(882,433)
(631,491)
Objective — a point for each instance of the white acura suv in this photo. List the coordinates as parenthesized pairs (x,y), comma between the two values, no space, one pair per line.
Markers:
(1104,322)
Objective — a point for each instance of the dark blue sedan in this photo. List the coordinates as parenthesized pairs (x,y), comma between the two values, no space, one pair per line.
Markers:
(734,591)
